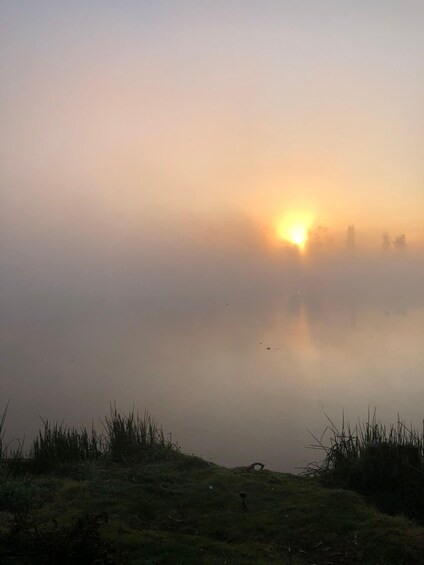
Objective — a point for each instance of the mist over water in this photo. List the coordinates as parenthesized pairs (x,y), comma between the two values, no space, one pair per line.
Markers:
(150,153)
(236,350)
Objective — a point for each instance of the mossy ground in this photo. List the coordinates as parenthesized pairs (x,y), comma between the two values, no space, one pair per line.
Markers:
(183,510)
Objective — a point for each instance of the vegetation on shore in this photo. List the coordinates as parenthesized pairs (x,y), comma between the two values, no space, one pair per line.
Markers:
(385,463)
(129,496)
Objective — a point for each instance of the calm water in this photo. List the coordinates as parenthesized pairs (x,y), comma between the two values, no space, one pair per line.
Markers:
(237,356)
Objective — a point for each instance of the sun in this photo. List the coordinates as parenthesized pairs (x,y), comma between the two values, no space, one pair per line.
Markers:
(294,229)
(298,235)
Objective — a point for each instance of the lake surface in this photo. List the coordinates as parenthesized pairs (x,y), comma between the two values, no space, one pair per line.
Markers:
(237,355)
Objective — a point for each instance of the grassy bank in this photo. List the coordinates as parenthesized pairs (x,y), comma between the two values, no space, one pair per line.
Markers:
(144,502)
(385,463)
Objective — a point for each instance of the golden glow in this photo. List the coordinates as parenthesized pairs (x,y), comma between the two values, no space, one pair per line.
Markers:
(294,229)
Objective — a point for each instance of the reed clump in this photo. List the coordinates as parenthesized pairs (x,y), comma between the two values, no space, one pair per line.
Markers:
(3,449)
(129,436)
(125,437)
(59,444)
(384,462)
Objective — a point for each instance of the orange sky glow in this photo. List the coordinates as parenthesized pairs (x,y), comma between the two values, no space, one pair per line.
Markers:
(120,120)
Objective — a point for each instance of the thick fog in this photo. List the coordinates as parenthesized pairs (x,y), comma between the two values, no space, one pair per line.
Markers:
(150,153)
(234,345)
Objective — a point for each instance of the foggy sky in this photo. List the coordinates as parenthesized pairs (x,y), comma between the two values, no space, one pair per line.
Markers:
(147,151)
(117,118)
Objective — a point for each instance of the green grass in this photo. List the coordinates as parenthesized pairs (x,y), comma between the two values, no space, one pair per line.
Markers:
(138,500)
(184,510)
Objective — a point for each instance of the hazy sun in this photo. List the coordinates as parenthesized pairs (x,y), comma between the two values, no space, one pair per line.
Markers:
(294,229)
(298,234)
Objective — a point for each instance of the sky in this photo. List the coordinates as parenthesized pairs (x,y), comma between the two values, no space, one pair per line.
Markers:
(125,123)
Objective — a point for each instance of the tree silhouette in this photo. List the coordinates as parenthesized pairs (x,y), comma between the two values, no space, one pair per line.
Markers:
(350,241)
(400,241)
(386,241)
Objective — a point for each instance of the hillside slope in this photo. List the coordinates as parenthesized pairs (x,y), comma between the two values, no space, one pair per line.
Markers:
(182,510)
